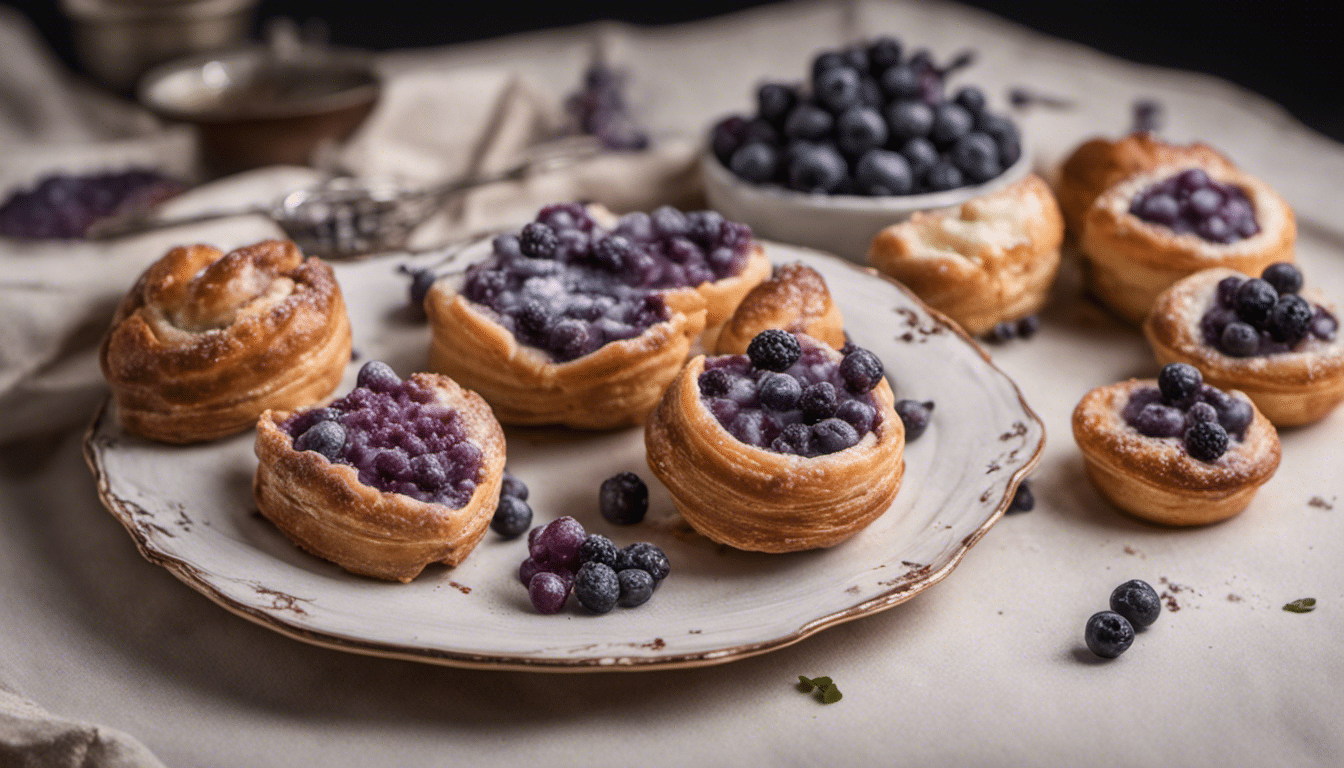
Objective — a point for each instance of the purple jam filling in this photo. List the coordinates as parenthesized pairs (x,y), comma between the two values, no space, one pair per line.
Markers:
(813,415)
(1190,201)
(1151,416)
(568,286)
(398,439)
(1241,325)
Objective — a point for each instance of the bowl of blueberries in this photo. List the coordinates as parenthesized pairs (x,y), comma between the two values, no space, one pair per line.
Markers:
(872,137)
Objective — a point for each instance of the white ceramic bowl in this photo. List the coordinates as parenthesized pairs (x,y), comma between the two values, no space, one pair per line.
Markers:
(839,224)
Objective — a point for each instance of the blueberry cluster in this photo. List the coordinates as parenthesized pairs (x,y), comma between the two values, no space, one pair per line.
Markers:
(1190,201)
(1262,316)
(599,109)
(568,286)
(1206,418)
(788,396)
(1006,331)
(397,438)
(1134,605)
(513,515)
(563,558)
(871,121)
(64,207)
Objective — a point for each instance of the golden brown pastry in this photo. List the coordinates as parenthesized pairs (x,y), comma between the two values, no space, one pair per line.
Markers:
(757,455)
(1131,260)
(205,341)
(795,299)
(1140,453)
(573,323)
(392,477)
(989,260)
(1294,379)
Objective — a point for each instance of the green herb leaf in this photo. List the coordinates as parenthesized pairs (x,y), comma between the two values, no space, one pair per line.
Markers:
(1305,605)
(821,682)
(831,694)
(805,685)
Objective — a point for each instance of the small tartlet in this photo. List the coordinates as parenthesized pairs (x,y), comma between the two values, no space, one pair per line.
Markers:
(758,500)
(324,509)
(206,341)
(1155,478)
(1293,388)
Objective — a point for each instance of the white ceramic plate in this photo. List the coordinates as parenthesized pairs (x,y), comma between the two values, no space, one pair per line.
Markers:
(191,510)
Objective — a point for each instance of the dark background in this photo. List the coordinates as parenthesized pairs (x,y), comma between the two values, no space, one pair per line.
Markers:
(1288,51)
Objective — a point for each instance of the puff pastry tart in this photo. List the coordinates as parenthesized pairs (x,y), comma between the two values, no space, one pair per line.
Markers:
(989,260)
(569,322)
(393,476)
(1097,165)
(795,299)
(789,447)
(1264,336)
(1175,451)
(204,342)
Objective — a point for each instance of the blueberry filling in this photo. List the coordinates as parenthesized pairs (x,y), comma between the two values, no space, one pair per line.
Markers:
(397,438)
(810,407)
(64,207)
(1191,202)
(1205,418)
(1263,316)
(568,286)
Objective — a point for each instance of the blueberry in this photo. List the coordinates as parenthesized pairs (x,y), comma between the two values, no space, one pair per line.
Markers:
(774,350)
(1001,333)
(970,99)
(1023,500)
(883,52)
(881,172)
(1158,208)
(827,60)
(1227,290)
(538,241)
(324,437)
(1147,116)
(421,281)
(755,162)
(512,517)
(977,156)
(860,129)
(837,88)
(548,592)
(901,82)
(1239,340)
(833,435)
(909,119)
(1255,299)
(870,94)
(726,137)
(950,122)
(645,557)
(774,101)
(818,169)
(1206,441)
(915,416)
(1108,634)
(669,222)
(943,176)
(636,587)
(1290,319)
(819,401)
(534,319)
(378,376)
(779,392)
(1324,325)
(1028,326)
(762,131)
(623,499)
(1200,412)
(514,487)
(858,414)
(920,153)
(1285,277)
(1234,413)
(598,549)
(795,438)
(559,542)
(1179,382)
(1156,420)
(856,58)
(596,587)
(1138,602)
(861,371)
(714,382)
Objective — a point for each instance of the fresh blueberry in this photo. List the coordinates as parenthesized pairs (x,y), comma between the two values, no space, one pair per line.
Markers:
(977,156)
(860,129)
(1028,326)
(1200,412)
(762,131)
(512,517)
(950,122)
(636,587)
(1023,500)
(819,401)
(598,549)
(1239,340)
(1285,277)
(922,156)
(858,414)
(1138,602)
(809,122)
(534,319)
(1157,420)
(559,542)
(779,392)
(645,557)
(548,592)
(1206,441)
(378,376)
(915,416)
(726,137)
(538,241)
(421,281)
(870,94)
(623,499)
(861,371)
(324,437)
(901,82)
(1290,319)
(1324,325)
(971,99)
(909,119)
(943,176)
(837,88)
(833,435)
(1255,299)
(512,486)
(883,52)
(715,382)
(669,222)
(827,60)
(756,162)
(774,101)
(1108,634)
(818,169)
(1147,116)
(1178,382)
(882,172)
(596,587)
(774,350)
(1227,291)
(795,439)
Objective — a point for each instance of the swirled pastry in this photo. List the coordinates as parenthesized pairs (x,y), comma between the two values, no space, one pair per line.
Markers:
(787,448)
(204,342)
(1266,337)
(572,323)
(1187,454)
(989,260)
(391,477)
(795,299)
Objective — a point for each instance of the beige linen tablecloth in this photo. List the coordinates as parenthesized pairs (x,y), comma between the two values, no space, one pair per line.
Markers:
(984,669)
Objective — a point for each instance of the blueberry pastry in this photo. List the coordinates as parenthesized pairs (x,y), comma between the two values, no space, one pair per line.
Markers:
(575,323)
(204,342)
(1175,451)
(791,446)
(987,261)
(1264,336)
(795,299)
(386,480)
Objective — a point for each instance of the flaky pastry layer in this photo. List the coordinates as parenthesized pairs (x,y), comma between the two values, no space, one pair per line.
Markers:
(795,299)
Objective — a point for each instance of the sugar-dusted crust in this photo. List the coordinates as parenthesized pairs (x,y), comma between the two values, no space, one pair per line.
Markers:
(758,500)
(1154,478)
(204,342)
(1132,261)
(1099,164)
(722,297)
(795,298)
(988,260)
(1291,388)
(323,508)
